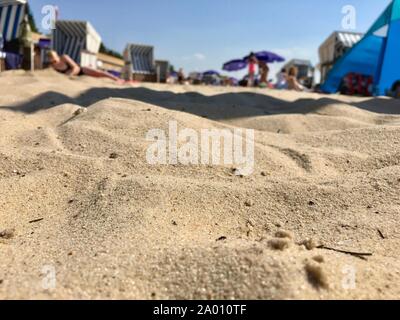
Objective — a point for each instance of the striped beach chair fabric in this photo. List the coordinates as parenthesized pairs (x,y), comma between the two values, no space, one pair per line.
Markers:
(73,38)
(140,58)
(12,13)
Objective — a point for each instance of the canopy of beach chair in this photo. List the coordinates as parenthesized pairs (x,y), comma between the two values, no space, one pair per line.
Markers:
(376,55)
(74,38)
(267,57)
(235,65)
(12,13)
(140,58)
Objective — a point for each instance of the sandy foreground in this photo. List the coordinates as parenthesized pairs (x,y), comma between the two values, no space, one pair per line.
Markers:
(83,215)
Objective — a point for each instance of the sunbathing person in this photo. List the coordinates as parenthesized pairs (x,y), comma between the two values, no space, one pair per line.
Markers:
(66,65)
(292,82)
(264,71)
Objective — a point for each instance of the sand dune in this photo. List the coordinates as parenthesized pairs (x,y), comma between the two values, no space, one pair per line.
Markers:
(78,196)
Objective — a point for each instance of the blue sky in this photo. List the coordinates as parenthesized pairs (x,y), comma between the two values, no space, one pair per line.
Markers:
(202,35)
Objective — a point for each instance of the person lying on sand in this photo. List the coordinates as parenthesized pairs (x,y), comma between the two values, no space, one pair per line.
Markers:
(66,65)
(293,83)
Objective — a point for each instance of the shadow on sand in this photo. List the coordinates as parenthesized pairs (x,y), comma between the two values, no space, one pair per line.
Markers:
(218,107)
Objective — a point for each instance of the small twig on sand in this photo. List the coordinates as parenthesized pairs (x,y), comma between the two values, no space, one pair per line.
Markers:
(381,234)
(36,220)
(360,255)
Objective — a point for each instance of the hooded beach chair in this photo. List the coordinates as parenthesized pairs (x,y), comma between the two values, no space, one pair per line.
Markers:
(79,40)
(139,63)
(162,70)
(12,13)
(334,47)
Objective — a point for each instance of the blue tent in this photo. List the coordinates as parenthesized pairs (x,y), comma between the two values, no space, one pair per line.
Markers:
(376,55)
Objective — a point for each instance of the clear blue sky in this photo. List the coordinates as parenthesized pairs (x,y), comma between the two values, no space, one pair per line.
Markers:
(202,35)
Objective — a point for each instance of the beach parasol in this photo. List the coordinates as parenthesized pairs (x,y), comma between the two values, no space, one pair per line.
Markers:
(235,65)
(267,57)
(211,73)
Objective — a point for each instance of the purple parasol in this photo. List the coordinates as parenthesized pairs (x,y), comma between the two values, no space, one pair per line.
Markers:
(235,65)
(211,73)
(267,57)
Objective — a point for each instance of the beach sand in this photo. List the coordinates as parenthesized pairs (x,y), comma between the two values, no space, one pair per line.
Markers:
(83,215)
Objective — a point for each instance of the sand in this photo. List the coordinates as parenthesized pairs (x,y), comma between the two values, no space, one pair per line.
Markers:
(84,216)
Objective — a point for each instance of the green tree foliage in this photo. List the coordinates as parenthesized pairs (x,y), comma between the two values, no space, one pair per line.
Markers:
(31,19)
(110,52)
